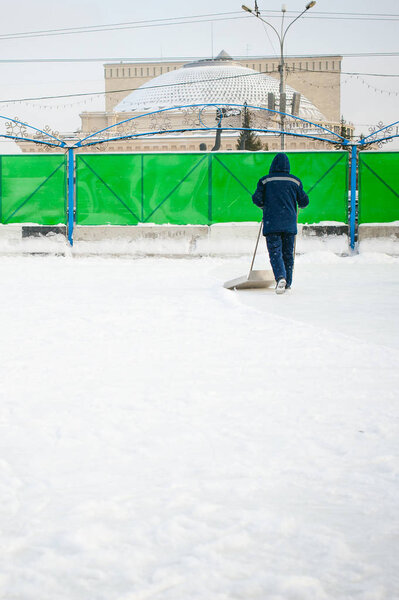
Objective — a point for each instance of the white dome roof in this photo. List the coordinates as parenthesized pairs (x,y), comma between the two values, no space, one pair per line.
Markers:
(212,81)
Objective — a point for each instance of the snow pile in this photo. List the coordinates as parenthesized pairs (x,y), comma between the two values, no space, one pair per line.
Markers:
(218,242)
(222,239)
(386,245)
(331,243)
(163,437)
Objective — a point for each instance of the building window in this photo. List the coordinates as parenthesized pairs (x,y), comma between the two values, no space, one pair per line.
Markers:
(320,66)
(326,65)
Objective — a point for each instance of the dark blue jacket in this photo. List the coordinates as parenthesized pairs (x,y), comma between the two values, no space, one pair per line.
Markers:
(278,194)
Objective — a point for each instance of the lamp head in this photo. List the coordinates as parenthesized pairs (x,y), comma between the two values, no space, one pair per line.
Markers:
(310,4)
(246,8)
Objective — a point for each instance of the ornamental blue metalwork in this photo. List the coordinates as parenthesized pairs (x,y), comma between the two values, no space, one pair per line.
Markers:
(222,118)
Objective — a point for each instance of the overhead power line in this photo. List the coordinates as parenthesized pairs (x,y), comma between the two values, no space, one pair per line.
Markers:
(339,16)
(204,18)
(170,20)
(168,85)
(137,25)
(95,27)
(138,60)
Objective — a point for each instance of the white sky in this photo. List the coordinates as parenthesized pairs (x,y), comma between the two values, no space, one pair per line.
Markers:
(360,104)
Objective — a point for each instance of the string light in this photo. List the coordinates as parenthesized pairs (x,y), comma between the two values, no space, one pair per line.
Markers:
(375,89)
(90,97)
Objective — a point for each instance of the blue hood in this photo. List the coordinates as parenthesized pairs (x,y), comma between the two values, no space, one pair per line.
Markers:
(280,164)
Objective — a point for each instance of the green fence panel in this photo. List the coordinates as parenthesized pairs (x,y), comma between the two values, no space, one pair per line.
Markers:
(109,189)
(33,189)
(199,188)
(378,187)
(325,179)
(234,180)
(177,188)
(324,176)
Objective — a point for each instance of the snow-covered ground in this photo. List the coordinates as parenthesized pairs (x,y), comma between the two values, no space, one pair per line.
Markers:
(164,438)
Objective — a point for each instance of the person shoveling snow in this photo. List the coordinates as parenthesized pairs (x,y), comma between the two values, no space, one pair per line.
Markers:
(278,194)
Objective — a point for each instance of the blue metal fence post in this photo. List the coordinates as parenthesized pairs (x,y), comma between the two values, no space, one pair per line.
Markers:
(352,224)
(71,194)
(210,189)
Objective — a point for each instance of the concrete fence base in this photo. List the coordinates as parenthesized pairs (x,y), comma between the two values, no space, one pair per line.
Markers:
(225,239)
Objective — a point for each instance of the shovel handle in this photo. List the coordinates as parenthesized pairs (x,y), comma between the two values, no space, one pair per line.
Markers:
(256,247)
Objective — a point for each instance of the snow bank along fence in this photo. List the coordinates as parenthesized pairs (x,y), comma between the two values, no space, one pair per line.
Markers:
(191,188)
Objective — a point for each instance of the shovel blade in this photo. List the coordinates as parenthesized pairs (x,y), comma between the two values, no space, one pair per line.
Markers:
(256,279)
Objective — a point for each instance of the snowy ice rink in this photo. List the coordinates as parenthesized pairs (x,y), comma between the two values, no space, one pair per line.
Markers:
(164,438)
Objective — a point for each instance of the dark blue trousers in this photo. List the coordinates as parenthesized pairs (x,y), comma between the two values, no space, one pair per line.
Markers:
(281,253)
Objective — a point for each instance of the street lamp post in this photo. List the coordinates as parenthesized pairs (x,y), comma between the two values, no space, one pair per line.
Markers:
(281,38)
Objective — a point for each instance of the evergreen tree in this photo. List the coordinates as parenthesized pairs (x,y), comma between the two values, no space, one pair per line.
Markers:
(248,140)
(344,131)
(365,146)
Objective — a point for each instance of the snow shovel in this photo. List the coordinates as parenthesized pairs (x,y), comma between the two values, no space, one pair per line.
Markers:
(254,279)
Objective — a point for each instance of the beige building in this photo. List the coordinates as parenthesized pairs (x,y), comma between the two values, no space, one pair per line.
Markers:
(130,91)
(316,77)
(141,89)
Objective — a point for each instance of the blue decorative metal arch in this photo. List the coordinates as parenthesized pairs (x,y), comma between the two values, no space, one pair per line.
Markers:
(17,131)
